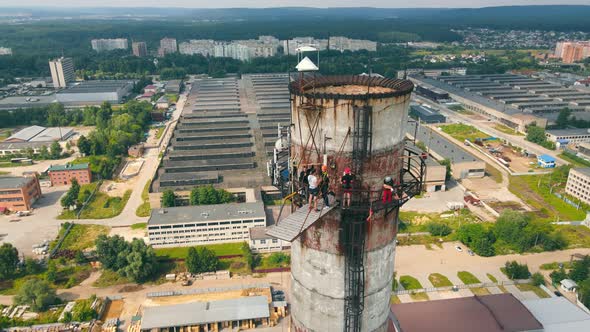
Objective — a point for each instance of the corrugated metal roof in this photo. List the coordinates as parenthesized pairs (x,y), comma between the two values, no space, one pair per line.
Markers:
(197,313)
(26,134)
(67,167)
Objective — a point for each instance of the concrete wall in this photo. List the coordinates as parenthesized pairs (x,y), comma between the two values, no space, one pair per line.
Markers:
(473,169)
(435,176)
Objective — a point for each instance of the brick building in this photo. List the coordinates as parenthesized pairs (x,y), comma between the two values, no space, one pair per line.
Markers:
(19,193)
(62,175)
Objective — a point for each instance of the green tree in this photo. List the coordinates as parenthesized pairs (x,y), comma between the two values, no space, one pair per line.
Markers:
(141,262)
(558,275)
(584,292)
(44,152)
(536,134)
(112,251)
(194,197)
(209,260)
(562,120)
(447,164)
(71,196)
(517,271)
(84,145)
(8,261)
(51,274)
(537,279)
(36,293)
(484,246)
(32,266)
(580,269)
(82,311)
(55,150)
(193,261)
(438,229)
(168,198)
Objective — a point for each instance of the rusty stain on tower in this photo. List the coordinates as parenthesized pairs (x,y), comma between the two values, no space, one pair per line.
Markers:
(342,259)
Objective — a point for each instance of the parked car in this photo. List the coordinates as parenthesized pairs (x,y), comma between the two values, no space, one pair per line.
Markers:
(279,298)
(470,252)
(278,292)
(187,282)
(558,293)
(458,248)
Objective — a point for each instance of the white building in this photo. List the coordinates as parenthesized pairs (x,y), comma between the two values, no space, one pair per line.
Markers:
(167,46)
(578,184)
(101,45)
(205,47)
(205,224)
(5,51)
(62,72)
(290,46)
(566,136)
(346,44)
(262,242)
(96,92)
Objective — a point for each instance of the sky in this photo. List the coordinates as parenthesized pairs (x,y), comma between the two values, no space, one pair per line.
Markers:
(283,3)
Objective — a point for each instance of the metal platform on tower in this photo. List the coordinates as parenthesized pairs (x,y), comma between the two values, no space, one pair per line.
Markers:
(292,226)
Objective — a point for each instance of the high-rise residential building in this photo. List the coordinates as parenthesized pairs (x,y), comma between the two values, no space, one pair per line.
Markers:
(62,71)
(205,47)
(346,44)
(101,45)
(5,51)
(571,52)
(139,49)
(167,46)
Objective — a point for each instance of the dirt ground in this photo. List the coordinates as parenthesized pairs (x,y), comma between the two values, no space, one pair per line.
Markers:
(494,193)
(113,310)
(518,163)
(169,300)
(127,233)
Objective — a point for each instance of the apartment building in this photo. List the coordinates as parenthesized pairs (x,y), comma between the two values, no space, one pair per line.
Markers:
(62,175)
(19,193)
(62,72)
(102,45)
(205,224)
(139,49)
(167,46)
(578,184)
(572,51)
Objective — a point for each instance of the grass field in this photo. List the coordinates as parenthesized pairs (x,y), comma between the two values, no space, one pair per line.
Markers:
(102,206)
(140,225)
(416,221)
(494,173)
(394,300)
(537,290)
(492,278)
(82,237)
(555,266)
(144,209)
(438,280)
(534,190)
(159,132)
(409,283)
(462,132)
(467,278)
(222,249)
(110,278)
(507,130)
(574,160)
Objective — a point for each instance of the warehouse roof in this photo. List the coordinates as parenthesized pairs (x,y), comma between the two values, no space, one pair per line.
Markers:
(21,145)
(196,313)
(26,134)
(67,167)
(97,86)
(53,134)
(13,182)
(568,132)
(491,313)
(231,211)
(440,145)
(557,314)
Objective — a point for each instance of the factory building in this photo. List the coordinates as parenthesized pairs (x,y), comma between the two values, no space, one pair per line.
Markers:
(19,193)
(205,224)
(62,175)
(40,134)
(341,270)
(567,136)
(96,92)
(426,114)
(242,313)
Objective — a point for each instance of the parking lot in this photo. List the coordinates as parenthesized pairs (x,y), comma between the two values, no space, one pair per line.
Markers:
(41,225)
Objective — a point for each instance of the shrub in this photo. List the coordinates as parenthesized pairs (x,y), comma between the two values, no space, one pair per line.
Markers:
(517,271)
(538,279)
(438,229)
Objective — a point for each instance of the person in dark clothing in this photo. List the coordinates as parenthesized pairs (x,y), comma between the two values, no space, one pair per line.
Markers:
(387,189)
(325,186)
(347,181)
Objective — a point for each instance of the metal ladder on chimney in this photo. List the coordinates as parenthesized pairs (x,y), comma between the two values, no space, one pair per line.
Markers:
(354,221)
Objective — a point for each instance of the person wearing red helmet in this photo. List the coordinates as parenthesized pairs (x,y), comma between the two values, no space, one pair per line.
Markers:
(347,180)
